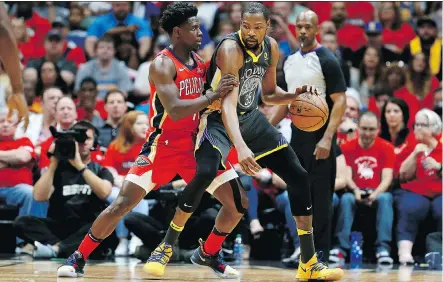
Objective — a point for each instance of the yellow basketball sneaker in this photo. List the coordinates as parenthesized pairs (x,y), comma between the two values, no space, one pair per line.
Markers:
(317,270)
(158,260)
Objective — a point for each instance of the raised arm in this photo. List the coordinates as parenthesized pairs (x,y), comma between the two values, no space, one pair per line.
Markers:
(9,52)
(11,62)
(161,74)
(229,60)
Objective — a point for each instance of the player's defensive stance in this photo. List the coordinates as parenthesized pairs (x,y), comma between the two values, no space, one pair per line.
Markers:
(176,77)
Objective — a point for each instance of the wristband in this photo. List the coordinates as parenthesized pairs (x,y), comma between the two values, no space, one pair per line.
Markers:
(82,170)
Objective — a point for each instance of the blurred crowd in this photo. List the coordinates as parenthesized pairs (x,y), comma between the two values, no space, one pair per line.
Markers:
(89,61)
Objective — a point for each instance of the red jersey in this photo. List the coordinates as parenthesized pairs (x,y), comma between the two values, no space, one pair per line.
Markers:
(414,103)
(367,164)
(121,162)
(190,82)
(14,175)
(426,182)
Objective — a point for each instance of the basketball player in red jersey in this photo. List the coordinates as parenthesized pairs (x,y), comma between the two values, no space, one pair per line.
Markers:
(176,77)
(11,62)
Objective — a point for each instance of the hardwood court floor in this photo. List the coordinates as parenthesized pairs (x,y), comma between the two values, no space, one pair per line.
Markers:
(130,270)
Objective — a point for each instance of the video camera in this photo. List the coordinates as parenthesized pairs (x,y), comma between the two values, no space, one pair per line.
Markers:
(65,142)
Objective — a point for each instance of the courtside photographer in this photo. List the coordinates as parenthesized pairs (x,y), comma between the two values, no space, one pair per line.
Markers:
(76,188)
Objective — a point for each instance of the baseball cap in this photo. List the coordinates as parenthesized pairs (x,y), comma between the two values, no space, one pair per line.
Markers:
(54,34)
(373,28)
(426,20)
(59,22)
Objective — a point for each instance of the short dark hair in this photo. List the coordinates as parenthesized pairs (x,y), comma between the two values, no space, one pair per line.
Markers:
(105,38)
(255,8)
(382,89)
(112,92)
(177,14)
(90,80)
(83,124)
(369,114)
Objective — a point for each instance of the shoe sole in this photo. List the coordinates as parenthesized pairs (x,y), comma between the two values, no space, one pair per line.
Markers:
(331,277)
(220,275)
(151,271)
(65,271)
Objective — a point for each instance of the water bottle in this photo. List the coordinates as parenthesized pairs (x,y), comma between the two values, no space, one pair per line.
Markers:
(356,250)
(238,250)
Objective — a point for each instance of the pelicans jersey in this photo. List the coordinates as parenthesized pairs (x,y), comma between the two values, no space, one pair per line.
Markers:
(169,146)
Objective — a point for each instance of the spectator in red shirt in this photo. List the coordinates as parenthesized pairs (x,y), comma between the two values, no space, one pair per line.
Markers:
(396,35)
(119,158)
(348,35)
(25,43)
(420,85)
(423,191)
(371,160)
(17,157)
(38,26)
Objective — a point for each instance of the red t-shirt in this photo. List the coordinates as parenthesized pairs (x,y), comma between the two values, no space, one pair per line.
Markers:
(367,164)
(122,162)
(351,36)
(427,182)
(12,176)
(400,37)
(30,50)
(414,103)
(75,54)
(403,150)
(96,156)
(40,26)
(360,11)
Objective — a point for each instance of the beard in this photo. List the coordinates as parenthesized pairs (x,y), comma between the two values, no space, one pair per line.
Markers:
(428,41)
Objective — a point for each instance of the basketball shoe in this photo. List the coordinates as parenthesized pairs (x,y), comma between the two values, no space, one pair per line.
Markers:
(317,270)
(73,267)
(215,262)
(158,260)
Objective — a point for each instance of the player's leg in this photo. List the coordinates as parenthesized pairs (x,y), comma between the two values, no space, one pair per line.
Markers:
(235,203)
(284,163)
(208,160)
(132,192)
(322,181)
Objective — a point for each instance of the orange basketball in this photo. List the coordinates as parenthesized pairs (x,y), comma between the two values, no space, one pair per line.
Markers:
(309,112)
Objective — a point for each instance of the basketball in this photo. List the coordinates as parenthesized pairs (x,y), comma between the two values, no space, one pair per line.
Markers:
(309,112)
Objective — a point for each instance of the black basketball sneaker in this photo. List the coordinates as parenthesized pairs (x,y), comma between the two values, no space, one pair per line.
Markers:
(73,267)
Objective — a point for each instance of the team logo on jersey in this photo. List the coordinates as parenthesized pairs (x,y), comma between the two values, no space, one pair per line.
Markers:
(251,81)
(266,56)
(142,161)
(365,167)
(199,70)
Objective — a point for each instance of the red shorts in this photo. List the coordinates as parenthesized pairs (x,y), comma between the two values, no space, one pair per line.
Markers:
(157,165)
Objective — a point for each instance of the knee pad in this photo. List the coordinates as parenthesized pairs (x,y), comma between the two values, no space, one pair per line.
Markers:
(236,185)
